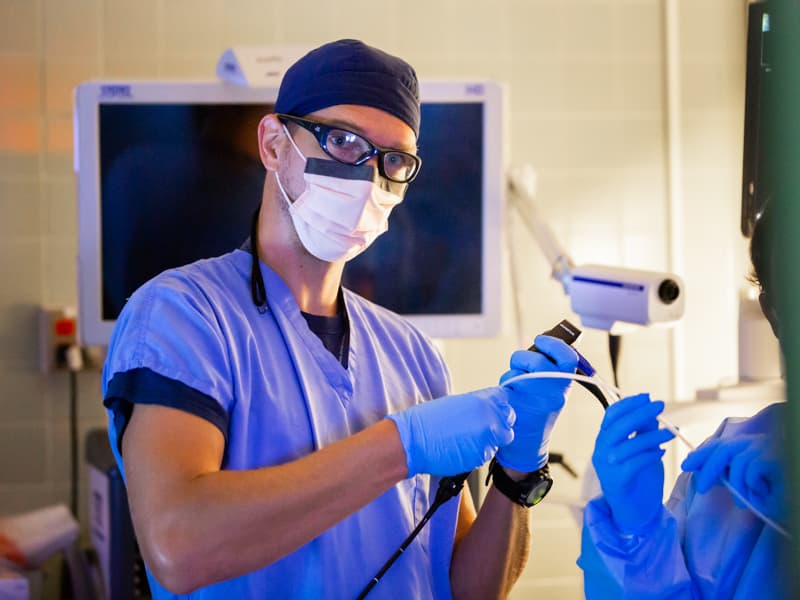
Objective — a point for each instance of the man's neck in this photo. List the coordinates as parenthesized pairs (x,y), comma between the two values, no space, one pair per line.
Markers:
(314,283)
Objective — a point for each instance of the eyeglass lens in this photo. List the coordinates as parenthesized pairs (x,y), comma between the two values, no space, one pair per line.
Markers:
(348,147)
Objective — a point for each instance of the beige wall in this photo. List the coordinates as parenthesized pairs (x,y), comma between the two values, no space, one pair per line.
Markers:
(587,110)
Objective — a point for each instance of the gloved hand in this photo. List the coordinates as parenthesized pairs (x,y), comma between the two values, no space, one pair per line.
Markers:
(752,465)
(455,434)
(537,402)
(627,459)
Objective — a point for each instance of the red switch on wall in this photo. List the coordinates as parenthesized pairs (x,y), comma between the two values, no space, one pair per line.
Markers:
(64,327)
(58,331)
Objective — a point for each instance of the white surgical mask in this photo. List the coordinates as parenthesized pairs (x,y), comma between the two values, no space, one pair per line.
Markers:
(341,211)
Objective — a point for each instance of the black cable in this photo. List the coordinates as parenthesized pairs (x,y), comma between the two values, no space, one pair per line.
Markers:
(448,488)
(614,344)
(257,288)
(73,441)
(594,389)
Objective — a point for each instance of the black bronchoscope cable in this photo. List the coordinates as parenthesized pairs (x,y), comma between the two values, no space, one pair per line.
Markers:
(451,486)
(448,488)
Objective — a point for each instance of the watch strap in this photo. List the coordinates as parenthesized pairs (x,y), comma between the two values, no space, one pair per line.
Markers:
(526,492)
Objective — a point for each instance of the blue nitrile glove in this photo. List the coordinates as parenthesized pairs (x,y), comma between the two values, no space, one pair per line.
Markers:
(455,434)
(537,402)
(627,459)
(752,465)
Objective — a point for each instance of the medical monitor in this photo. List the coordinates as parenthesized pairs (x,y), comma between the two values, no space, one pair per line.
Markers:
(169,173)
(758,71)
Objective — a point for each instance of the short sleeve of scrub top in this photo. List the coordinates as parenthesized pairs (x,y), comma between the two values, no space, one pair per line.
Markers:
(167,349)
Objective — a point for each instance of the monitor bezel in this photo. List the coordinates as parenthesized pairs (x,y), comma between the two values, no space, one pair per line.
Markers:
(89,96)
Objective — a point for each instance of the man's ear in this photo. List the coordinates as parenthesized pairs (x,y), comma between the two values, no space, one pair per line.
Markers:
(270,133)
(769,313)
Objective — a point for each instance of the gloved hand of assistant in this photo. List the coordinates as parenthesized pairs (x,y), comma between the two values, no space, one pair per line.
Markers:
(752,465)
(455,434)
(627,459)
(537,402)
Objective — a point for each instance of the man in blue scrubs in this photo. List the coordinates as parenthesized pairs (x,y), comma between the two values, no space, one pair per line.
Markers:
(704,543)
(279,435)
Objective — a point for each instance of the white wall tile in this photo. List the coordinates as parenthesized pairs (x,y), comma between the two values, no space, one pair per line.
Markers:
(60,209)
(22,467)
(478,32)
(641,32)
(21,81)
(538,85)
(72,29)
(535,29)
(14,161)
(249,23)
(90,401)
(130,68)
(304,22)
(18,320)
(434,27)
(643,195)
(191,28)
(20,23)
(593,85)
(21,209)
(60,287)
(591,29)
(188,66)
(712,140)
(711,86)
(57,155)
(642,86)
(131,29)
(540,141)
(58,450)
(20,141)
(20,265)
(713,29)
(20,498)
(21,396)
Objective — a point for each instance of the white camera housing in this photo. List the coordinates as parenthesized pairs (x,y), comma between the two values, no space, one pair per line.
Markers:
(604,296)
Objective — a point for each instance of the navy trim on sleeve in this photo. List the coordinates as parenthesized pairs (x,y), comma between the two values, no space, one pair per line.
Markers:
(144,386)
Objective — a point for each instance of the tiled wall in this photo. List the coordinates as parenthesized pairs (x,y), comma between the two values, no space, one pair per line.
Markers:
(588,110)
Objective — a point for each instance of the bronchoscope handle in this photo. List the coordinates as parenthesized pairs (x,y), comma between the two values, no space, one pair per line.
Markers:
(568,333)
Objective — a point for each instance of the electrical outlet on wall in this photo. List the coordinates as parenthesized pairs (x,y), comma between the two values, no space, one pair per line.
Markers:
(58,340)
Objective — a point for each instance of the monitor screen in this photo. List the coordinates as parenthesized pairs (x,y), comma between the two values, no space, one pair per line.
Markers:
(169,173)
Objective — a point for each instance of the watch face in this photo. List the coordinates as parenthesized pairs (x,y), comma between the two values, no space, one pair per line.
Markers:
(539,491)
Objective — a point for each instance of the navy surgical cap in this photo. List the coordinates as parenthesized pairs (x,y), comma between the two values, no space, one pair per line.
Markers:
(350,72)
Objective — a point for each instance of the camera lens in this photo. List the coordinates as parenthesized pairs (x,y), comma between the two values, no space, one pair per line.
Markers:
(668,291)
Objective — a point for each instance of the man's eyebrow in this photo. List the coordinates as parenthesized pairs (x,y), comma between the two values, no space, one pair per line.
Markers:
(354,127)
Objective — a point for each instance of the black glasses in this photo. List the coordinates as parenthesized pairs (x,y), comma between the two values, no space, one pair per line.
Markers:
(350,148)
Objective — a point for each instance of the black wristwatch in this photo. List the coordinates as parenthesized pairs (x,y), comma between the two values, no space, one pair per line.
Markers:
(526,492)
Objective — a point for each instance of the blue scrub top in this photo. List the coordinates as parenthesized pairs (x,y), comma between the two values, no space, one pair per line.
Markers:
(192,338)
(705,546)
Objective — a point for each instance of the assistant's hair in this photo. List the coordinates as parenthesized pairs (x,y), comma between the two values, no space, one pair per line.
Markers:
(761,251)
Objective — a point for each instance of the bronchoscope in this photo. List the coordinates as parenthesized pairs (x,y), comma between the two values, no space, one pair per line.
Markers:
(587,377)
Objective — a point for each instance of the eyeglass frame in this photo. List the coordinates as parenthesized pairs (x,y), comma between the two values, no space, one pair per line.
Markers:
(320,132)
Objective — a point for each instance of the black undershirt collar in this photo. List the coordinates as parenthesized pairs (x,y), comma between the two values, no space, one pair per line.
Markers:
(333,332)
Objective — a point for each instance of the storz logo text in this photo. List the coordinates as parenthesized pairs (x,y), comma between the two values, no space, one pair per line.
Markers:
(474,89)
(115,91)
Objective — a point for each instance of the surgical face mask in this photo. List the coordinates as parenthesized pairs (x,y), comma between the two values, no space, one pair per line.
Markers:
(342,209)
